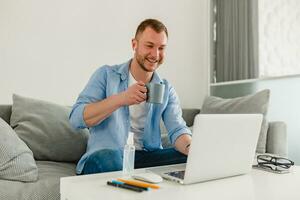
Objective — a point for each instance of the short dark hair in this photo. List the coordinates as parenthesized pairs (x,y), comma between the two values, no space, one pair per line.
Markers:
(156,25)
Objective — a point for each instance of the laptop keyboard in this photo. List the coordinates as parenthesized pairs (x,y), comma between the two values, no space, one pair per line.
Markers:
(177,174)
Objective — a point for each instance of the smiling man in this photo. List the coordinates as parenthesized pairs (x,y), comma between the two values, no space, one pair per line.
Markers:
(113,103)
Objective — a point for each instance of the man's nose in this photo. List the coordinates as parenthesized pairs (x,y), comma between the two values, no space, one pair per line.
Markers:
(155,53)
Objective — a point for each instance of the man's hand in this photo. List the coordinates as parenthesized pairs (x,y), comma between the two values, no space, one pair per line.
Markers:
(135,94)
(98,111)
(182,143)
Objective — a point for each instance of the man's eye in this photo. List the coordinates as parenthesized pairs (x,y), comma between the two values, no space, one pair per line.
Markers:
(149,46)
(162,48)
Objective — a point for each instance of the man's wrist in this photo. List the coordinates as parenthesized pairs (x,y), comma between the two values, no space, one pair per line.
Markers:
(120,99)
(182,143)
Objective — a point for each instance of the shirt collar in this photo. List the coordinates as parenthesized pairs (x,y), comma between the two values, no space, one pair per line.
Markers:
(123,70)
(156,78)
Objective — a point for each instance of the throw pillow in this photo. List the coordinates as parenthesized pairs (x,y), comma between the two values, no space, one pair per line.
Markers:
(255,103)
(46,130)
(16,159)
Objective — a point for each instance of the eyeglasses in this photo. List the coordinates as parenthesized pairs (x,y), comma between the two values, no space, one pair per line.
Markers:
(274,163)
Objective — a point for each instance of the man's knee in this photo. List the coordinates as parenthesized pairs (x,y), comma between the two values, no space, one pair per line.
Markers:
(105,160)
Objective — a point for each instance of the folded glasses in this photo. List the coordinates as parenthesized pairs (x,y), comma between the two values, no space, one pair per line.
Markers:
(274,163)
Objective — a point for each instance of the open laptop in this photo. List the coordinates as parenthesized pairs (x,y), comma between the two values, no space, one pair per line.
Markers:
(223,145)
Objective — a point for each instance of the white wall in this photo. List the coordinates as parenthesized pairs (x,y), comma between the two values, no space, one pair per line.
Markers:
(49,49)
(279,43)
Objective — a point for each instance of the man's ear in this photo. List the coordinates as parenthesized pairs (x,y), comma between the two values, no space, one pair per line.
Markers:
(133,44)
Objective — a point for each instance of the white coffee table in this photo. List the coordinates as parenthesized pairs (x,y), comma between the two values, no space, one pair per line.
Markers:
(256,185)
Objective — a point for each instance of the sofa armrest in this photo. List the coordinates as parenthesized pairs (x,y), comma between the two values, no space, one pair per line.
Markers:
(277,138)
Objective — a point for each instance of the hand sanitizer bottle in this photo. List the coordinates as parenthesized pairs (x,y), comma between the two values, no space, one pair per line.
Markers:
(128,156)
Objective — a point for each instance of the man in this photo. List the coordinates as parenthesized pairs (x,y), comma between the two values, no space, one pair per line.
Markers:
(113,103)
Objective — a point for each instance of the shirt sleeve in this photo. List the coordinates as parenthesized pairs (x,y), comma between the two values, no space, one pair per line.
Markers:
(172,117)
(94,91)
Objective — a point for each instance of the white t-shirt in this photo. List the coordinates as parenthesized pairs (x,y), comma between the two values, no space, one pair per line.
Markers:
(138,115)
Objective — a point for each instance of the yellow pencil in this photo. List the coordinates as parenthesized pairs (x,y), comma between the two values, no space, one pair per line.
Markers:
(138,183)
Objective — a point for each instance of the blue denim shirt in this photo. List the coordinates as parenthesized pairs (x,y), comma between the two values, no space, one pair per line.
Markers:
(112,132)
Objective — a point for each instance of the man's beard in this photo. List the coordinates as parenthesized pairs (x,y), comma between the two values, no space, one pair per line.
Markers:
(141,61)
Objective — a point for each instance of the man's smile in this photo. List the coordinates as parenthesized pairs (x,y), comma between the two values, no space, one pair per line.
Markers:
(152,60)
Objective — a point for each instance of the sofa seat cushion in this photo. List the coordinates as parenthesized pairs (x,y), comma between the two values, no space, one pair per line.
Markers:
(255,103)
(47,186)
(46,130)
(16,159)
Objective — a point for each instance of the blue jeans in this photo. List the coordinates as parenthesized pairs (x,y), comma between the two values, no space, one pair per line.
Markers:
(108,160)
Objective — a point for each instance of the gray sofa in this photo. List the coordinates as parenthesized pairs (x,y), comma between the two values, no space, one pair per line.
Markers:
(50,172)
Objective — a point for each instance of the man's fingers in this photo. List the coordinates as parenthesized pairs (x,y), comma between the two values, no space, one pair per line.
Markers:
(142,89)
(142,86)
(138,93)
(142,95)
(141,83)
(139,100)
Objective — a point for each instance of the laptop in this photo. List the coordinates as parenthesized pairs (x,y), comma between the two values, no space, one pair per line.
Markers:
(223,145)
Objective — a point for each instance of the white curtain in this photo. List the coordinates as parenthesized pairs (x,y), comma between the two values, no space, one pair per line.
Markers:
(236,47)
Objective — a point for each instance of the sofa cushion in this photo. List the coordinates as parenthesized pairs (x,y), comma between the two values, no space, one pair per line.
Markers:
(188,114)
(5,112)
(16,159)
(45,188)
(255,103)
(46,130)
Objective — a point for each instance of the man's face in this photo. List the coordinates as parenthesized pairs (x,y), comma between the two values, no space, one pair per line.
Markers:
(150,49)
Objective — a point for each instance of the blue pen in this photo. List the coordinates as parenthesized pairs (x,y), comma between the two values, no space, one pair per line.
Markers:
(128,187)
(139,187)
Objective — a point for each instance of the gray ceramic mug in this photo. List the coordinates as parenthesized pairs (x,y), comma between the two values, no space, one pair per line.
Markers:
(155,92)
